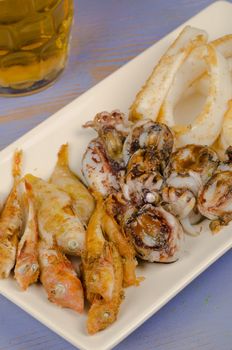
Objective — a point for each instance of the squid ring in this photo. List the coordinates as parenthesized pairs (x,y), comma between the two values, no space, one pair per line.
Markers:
(150,98)
(201,84)
(207,125)
(225,139)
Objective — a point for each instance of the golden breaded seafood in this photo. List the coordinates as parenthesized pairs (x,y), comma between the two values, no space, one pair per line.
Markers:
(102,312)
(224,45)
(225,138)
(156,234)
(56,218)
(11,222)
(66,180)
(103,274)
(150,98)
(206,126)
(27,265)
(202,83)
(126,250)
(59,278)
(98,269)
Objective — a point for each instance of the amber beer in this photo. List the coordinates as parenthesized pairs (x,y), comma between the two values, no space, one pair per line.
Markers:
(34,37)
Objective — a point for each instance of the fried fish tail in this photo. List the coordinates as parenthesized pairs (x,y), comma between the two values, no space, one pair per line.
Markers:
(63,158)
(17,164)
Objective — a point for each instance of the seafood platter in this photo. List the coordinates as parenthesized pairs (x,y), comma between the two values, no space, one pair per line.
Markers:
(85,239)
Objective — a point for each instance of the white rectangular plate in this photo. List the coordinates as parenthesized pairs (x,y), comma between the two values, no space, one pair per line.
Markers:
(162,282)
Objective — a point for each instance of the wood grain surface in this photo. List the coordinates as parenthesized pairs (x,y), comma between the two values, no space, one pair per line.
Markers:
(106,34)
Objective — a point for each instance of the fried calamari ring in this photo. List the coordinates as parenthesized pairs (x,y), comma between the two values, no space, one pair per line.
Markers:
(224,45)
(201,84)
(207,125)
(225,138)
(150,98)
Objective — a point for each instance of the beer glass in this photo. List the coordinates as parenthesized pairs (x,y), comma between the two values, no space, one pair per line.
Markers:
(34,40)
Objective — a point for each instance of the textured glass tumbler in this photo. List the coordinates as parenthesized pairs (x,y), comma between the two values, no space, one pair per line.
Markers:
(34,40)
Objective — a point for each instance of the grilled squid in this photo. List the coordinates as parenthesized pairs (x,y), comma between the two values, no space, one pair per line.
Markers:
(146,151)
(66,180)
(142,180)
(11,222)
(148,134)
(56,218)
(100,175)
(103,160)
(215,198)
(180,201)
(112,129)
(156,234)
(103,274)
(190,168)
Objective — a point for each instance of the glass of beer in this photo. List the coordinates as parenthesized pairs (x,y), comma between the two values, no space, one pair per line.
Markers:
(34,40)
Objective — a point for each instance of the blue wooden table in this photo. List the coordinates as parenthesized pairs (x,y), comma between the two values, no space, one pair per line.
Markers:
(107,34)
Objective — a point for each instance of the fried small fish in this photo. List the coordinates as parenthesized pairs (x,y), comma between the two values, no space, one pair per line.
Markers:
(125,249)
(102,312)
(27,265)
(59,278)
(82,201)
(11,222)
(56,218)
(98,269)
(103,274)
